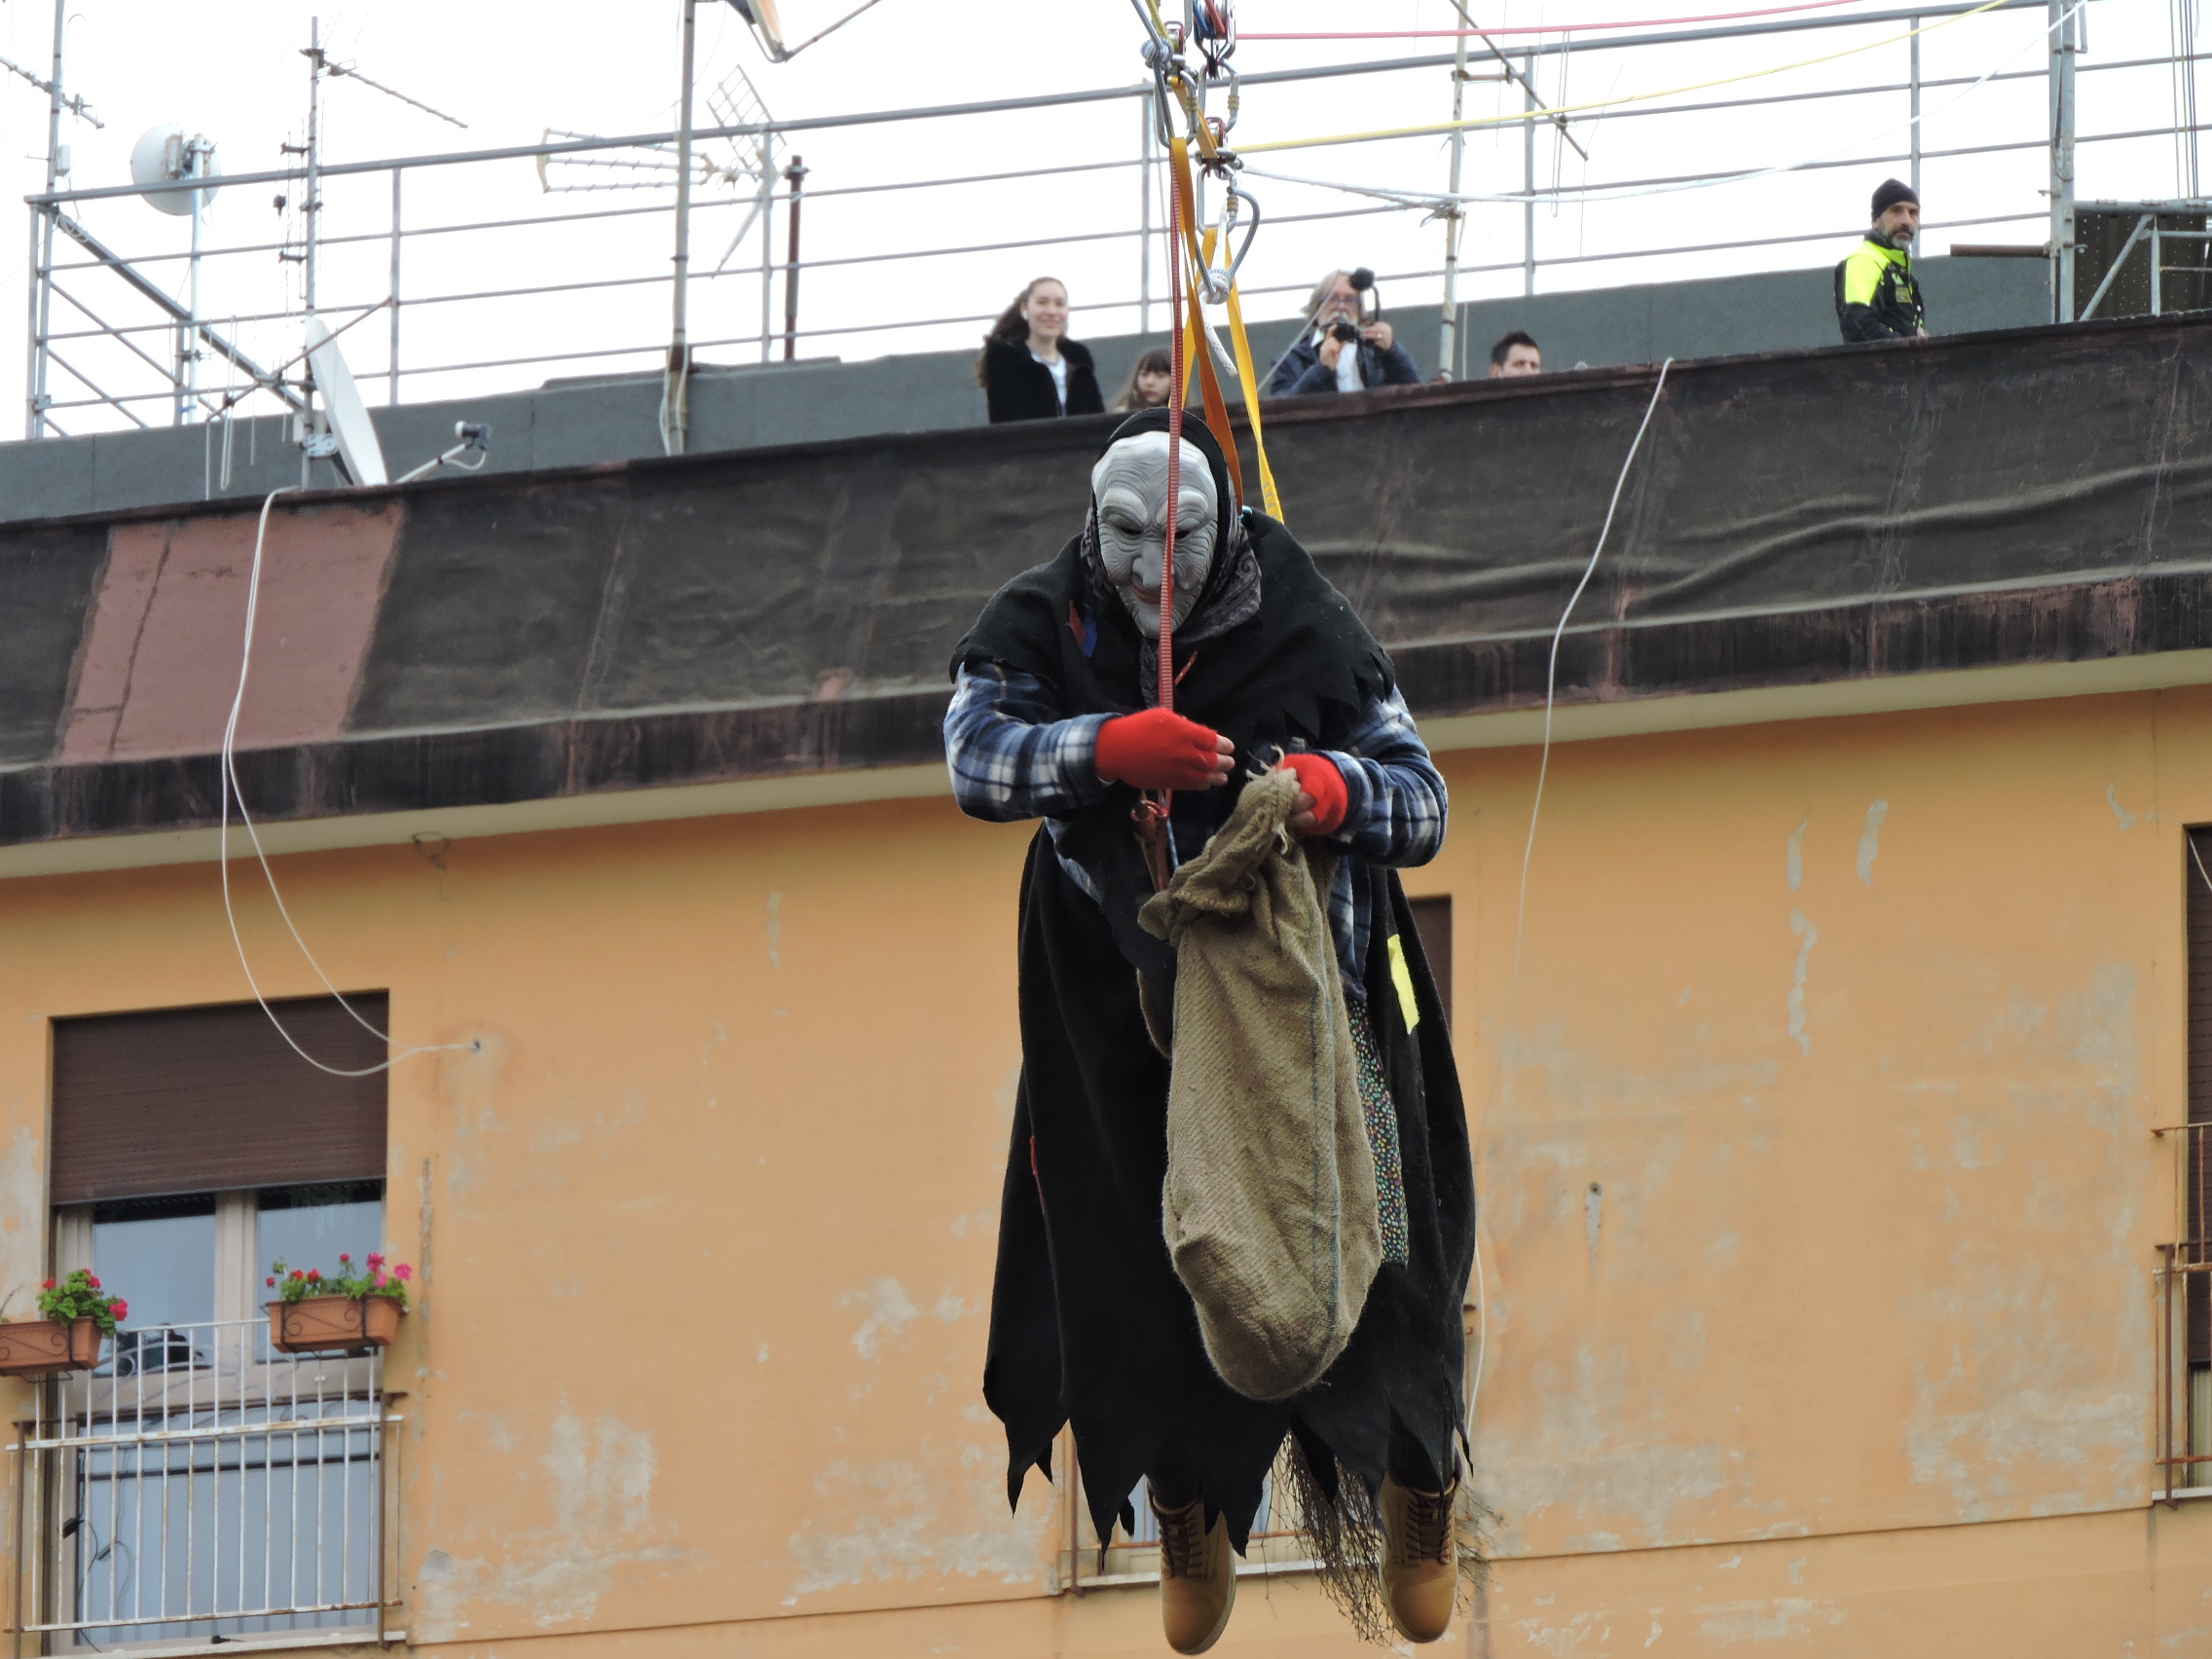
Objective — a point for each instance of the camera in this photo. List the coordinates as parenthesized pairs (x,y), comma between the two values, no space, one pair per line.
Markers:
(1347,332)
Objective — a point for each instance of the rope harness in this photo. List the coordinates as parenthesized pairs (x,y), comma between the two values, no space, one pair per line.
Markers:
(1192,280)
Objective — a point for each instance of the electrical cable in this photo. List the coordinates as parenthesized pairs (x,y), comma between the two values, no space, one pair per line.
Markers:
(1527,852)
(230,789)
(1517,117)
(1549,28)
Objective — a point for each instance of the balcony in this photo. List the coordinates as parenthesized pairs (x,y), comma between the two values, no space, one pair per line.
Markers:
(201,1487)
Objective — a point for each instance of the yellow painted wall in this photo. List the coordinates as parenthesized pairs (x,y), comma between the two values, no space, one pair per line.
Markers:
(706,1232)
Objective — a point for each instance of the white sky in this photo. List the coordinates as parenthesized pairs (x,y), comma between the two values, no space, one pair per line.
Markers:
(511,72)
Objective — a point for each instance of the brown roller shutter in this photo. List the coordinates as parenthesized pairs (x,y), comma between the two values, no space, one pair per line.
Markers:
(199,1099)
(1432,920)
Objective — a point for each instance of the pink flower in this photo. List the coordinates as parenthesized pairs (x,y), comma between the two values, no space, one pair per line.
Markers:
(342,1257)
(376,1259)
(95,1279)
(402,1271)
(120,1309)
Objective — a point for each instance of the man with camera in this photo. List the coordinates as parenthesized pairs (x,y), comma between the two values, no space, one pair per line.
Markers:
(1343,350)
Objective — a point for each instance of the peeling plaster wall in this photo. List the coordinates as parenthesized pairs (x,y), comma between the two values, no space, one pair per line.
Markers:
(1820,1201)
(1861,1027)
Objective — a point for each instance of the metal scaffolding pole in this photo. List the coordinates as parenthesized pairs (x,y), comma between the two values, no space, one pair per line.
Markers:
(675,414)
(392,382)
(1455,217)
(1915,107)
(2065,32)
(1144,211)
(1528,177)
(42,233)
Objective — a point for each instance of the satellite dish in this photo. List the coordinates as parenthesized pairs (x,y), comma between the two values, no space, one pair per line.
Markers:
(358,450)
(167,154)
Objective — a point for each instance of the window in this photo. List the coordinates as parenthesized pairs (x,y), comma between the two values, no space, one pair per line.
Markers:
(199,1486)
(1433,921)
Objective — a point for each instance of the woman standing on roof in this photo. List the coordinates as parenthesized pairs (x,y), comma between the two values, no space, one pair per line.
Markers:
(1029,369)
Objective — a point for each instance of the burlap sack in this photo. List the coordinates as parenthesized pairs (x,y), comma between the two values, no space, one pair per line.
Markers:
(1270,1199)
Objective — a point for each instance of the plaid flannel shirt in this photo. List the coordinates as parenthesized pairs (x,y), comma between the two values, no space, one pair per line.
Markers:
(1013,756)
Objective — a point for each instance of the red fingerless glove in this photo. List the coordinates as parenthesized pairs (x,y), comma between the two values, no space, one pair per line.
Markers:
(1318,777)
(1157,750)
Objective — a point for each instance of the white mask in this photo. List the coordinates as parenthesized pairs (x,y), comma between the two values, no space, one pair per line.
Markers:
(1129,485)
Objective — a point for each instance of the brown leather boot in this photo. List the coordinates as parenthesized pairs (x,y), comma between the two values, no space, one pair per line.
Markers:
(1421,1560)
(1197,1576)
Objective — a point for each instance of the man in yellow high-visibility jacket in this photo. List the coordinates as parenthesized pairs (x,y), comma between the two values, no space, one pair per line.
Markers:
(1877,297)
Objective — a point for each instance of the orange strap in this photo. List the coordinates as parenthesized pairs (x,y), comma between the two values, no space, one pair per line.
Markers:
(1195,354)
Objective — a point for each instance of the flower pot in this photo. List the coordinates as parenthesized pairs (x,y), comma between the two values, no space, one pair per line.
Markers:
(31,1348)
(323,1322)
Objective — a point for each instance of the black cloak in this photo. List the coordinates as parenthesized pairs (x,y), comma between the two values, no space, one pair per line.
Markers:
(1089,1322)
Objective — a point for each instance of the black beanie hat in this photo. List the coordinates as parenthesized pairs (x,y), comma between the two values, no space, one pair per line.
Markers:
(1892,192)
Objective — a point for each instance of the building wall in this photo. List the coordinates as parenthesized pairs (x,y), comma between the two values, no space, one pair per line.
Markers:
(1820,1199)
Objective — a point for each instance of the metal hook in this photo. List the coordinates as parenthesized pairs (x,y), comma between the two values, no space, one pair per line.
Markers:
(1219,281)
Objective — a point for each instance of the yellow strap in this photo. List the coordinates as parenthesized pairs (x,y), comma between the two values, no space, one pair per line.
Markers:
(1209,386)
(1197,355)
(1249,378)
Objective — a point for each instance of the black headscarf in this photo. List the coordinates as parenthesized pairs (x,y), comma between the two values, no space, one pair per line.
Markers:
(1231,596)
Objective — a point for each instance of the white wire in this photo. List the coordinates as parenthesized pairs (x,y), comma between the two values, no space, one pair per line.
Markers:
(229,782)
(1445,200)
(1528,851)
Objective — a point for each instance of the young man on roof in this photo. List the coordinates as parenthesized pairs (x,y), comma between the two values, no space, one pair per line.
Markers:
(1877,297)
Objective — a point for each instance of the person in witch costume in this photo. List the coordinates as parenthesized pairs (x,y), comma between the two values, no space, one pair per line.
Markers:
(1054,717)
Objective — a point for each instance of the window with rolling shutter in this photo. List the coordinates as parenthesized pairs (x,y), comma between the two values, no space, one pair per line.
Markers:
(2196,1173)
(210,1100)
(190,1151)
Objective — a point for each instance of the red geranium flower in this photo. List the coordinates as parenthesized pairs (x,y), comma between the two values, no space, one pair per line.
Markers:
(296,1274)
(272,1281)
(342,1257)
(120,1309)
(48,1285)
(95,1279)
(315,1275)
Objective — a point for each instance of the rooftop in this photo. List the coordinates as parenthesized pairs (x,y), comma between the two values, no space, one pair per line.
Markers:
(1988,516)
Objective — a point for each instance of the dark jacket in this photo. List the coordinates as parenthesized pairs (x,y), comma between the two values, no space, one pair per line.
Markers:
(1089,1324)
(1302,371)
(1018,387)
(1877,297)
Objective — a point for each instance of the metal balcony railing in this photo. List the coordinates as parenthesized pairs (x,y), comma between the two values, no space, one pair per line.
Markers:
(2184,1325)
(199,1486)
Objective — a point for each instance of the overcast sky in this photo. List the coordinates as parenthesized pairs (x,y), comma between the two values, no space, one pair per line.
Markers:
(511,73)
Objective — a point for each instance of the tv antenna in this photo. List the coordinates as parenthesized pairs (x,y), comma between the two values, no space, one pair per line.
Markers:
(320,64)
(58,105)
(742,160)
